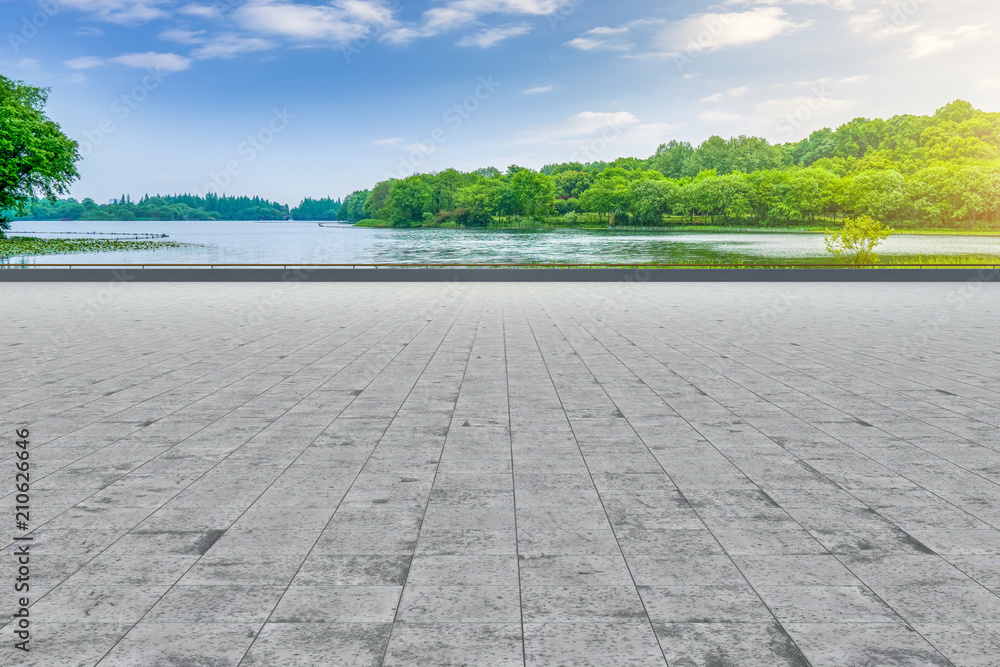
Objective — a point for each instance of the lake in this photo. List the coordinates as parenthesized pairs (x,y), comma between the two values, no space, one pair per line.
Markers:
(332,243)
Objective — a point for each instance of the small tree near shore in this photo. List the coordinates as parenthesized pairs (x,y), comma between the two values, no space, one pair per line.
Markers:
(857,239)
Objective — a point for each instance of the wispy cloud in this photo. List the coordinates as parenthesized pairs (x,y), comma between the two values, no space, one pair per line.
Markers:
(485,39)
(730,94)
(938,41)
(119,11)
(537,90)
(340,22)
(229,45)
(695,34)
(391,141)
(162,62)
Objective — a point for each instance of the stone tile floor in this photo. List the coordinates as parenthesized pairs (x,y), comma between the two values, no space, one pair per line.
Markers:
(519,474)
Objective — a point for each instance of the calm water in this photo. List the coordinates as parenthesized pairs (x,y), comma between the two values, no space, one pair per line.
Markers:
(310,243)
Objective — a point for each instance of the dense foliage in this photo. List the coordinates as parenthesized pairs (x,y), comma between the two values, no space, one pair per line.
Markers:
(36,158)
(941,170)
(174,207)
(316,209)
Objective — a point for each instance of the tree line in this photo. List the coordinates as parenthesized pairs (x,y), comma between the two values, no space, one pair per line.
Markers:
(938,170)
(181,207)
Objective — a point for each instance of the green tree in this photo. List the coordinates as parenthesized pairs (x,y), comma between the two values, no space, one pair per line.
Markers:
(856,240)
(36,158)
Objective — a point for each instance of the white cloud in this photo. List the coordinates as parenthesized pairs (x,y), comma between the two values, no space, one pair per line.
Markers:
(987,84)
(119,11)
(538,90)
(485,39)
(228,45)
(730,94)
(340,22)
(460,13)
(184,36)
(710,32)
(711,117)
(86,62)
(695,34)
(201,11)
(162,62)
(391,141)
(933,42)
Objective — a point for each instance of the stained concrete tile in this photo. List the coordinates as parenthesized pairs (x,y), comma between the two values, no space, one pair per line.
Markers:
(310,644)
(704,604)
(96,604)
(825,604)
(218,604)
(169,644)
(337,604)
(971,644)
(64,644)
(581,604)
(585,644)
(455,644)
(353,570)
(744,644)
(868,644)
(460,604)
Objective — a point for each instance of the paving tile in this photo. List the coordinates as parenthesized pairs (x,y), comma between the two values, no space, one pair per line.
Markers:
(972,644)
(744,644)
(455,644)
(65,644)
(217,604)
(167,644)
(460,604)
(869,644)
(704,604)
(575,604)
(825,604)
(310,644)
(96,604)
(619,643)
(337,604)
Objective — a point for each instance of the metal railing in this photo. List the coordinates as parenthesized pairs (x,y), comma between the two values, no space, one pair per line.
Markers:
(637,266)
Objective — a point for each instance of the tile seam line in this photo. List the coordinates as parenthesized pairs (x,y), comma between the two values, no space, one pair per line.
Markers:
(402,588)
(621,553)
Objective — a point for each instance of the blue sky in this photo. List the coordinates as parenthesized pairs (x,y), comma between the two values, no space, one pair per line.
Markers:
(287,99)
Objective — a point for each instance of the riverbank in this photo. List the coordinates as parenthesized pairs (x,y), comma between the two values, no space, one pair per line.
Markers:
(21,246)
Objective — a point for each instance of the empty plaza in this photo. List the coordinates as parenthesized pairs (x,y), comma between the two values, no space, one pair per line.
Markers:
(504,474)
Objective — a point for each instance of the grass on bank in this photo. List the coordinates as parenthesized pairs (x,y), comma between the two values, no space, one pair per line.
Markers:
(18,246)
